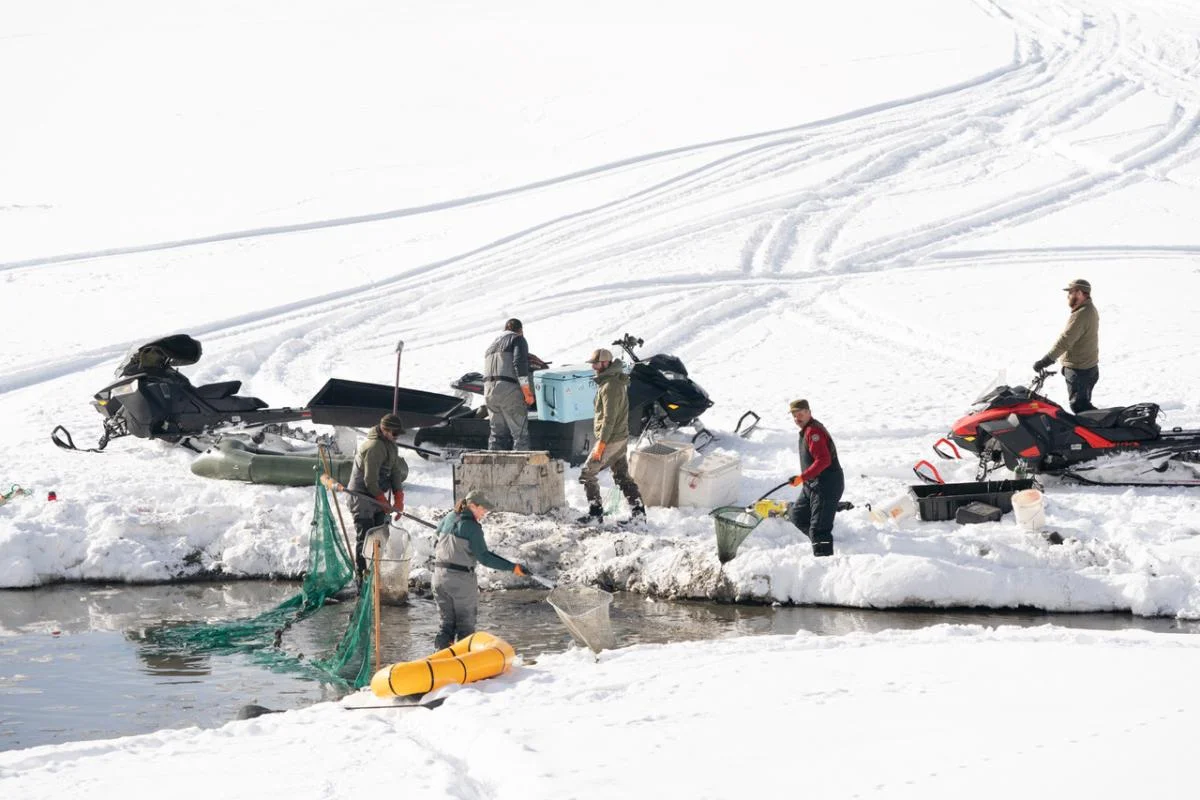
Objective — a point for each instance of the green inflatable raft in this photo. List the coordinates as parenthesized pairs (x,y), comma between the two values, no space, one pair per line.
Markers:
(232,460)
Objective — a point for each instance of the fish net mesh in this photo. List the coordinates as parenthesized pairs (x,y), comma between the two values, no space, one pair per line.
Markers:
(584,611)
(261,637)
(733,524)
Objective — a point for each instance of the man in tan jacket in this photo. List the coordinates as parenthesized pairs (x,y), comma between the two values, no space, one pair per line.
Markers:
(1079,346)
(612,438)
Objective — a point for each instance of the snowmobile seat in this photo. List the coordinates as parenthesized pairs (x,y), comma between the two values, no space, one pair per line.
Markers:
(1127,423)
(1100,417)
(218,391)
(235,403)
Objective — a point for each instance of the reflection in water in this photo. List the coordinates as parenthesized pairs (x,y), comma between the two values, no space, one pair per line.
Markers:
(75,663)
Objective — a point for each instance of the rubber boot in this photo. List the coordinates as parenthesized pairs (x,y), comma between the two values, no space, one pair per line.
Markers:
(595,514)
(822,548)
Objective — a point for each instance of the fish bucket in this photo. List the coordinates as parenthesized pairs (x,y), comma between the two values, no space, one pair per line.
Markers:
(584,610)
(395,561)
(733,524)
(900,507)
(1029,509)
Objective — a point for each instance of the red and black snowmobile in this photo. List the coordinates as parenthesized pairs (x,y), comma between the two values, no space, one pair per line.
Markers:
(1027,431)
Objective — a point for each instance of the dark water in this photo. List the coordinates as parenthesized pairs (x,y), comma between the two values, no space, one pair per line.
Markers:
(73,664)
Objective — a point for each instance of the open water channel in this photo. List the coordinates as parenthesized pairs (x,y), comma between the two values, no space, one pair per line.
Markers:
(74,663)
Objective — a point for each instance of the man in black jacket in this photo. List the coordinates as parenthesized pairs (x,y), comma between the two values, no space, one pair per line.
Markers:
(821,480)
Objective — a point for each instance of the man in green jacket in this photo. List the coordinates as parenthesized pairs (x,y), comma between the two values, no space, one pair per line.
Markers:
(378,468)
(612,437)
(1079,346)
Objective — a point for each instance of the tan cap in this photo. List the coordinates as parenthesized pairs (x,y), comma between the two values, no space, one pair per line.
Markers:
(798,405)
(479,498)
(391,422)
(1080,284)
(600,354)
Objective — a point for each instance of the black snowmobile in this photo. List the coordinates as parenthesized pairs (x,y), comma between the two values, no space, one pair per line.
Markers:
(151,399)
(662,397)
(1026,431)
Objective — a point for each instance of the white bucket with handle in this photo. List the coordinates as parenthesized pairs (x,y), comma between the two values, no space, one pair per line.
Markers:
(1029,509)
(900,507)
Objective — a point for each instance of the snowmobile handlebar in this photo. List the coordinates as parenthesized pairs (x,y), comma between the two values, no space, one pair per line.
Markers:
(627,343)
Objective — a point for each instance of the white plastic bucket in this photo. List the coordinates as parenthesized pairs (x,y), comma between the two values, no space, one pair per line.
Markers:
(1029,509)
(900,507)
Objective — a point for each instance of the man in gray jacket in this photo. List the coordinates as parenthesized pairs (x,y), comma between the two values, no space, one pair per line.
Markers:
(612,437)
(506,389)
(1079,346)
(378,468)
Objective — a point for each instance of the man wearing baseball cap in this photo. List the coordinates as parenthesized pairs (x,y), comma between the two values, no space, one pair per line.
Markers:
(1079,346)
(506,389)
(821,480)
(611,427)
(460,547)
(378,468)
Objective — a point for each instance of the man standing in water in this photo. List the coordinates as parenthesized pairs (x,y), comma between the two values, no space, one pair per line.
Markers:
(378,468)
(821,480)
(1079,346)
(460,547)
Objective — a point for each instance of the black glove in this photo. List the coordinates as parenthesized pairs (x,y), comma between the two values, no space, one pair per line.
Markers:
(1042,363)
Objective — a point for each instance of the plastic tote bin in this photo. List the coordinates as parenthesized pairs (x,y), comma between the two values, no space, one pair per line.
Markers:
(710,481)
(565,395)
(655,469)
(941,501)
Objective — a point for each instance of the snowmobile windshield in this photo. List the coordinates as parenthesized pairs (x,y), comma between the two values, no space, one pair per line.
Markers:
(990,388)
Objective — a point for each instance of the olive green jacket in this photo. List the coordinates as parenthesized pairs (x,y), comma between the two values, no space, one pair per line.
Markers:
(378,466)
(1079,344)
(612,404)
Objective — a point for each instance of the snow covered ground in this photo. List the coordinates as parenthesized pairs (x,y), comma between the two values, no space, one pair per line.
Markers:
(945,712)
(872,205)
(878,218)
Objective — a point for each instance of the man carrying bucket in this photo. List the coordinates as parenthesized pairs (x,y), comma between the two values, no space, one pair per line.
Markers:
(821,480)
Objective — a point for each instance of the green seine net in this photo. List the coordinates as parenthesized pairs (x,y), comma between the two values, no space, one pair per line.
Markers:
(261,637)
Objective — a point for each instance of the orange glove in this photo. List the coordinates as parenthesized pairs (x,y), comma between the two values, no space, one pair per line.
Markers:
(381,498)
(520,571)
(525,390)
(797,480)
(597,452)
(398,501)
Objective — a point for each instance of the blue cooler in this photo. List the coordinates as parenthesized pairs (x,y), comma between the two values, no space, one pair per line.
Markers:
(565,395)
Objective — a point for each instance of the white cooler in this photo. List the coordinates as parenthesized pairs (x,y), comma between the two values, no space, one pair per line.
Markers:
(710,481)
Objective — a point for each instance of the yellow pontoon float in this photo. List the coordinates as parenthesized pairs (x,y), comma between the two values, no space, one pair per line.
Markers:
(480,655)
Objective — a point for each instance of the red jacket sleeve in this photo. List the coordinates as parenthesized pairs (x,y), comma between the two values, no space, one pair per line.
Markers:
(818,448)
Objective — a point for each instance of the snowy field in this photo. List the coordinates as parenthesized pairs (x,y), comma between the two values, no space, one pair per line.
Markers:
(879,219)
(872,205)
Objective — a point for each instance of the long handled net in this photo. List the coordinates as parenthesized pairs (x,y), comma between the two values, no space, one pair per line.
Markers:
(261,637)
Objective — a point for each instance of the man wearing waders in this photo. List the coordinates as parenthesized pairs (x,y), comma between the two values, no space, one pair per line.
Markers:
(378,468)
(460,546)
(506,389)
(612,438)
(821,480)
